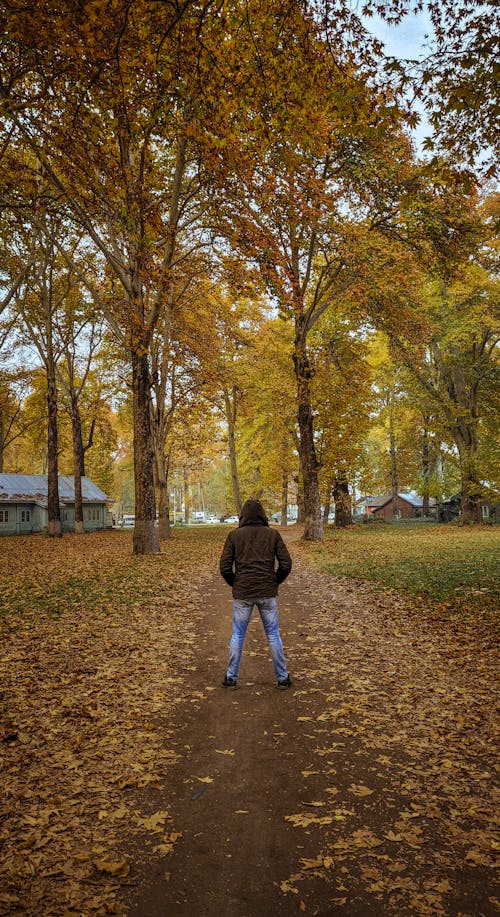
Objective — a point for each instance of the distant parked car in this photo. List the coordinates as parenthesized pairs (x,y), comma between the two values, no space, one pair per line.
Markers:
(212,520)
(232,520)
(127,521)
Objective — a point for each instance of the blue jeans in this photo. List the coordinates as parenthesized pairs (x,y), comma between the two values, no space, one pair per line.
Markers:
(242,612)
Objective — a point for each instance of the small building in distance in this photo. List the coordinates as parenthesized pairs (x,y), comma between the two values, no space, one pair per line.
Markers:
(408,506)
(366,506)
(23,504)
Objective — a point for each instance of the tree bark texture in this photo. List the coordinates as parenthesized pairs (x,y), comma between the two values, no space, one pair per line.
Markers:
(284,496)
(328,500)
(300,499)
(53,506)
(309,466)
(470,506)
(161,475)
(145,531)
(187,496)
(425,468)
(78,463)
(343,507)
(393,454)
(230,404)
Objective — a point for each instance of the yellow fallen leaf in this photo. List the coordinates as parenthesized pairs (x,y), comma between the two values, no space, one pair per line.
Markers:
(286,887)
(309,773)
(302,821)
(167,845)
(393,837)
(205,779)
(444,886)
(307,863)
(225,751)
(119,869)
(314,803)
(360,790)
(154,822)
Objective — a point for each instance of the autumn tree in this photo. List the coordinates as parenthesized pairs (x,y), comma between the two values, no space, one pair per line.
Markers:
(455,75)
(342,398)
(15,384)
(38,302)
(460,359)
(223,334)
(269,436)
(106,101)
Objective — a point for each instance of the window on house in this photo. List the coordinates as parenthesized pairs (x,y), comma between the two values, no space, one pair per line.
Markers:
(4,515)
(485,511)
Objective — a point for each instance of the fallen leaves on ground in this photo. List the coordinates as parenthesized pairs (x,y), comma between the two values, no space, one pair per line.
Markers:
(96,644)
(401,711)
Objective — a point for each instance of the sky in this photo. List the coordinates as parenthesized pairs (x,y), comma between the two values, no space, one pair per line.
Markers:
(406,40)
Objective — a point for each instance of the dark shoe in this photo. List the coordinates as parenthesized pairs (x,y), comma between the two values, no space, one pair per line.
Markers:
(229,682)
(285,682)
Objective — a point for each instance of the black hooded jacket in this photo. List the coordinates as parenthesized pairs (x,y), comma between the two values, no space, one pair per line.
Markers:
(248,560)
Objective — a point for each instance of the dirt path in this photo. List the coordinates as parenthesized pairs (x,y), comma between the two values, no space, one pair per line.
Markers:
(365,789)
(235,841)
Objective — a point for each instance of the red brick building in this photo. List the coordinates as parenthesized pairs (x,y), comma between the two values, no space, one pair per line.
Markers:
(408,506)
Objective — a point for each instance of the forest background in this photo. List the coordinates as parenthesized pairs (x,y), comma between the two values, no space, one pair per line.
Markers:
(226,269)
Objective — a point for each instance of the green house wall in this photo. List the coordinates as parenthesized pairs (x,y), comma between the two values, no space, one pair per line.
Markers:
(30,518)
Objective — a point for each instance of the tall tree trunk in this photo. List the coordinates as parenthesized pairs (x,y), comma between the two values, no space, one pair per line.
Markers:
(342,498)
(78,462)
(53,506)
(2,441)
(231,411)
(145,531)
(284,496)
(161,475)
(425,467)
(470,507)
(328,499)
(393,453)
(309,466)
(187,500)
(300,500)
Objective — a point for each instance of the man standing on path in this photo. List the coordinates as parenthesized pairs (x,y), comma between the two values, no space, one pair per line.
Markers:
(248,565)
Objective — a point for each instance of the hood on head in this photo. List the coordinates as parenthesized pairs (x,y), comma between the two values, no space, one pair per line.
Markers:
(252,513)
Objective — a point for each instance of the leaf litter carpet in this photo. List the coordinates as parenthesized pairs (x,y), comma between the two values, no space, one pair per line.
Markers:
(133,783)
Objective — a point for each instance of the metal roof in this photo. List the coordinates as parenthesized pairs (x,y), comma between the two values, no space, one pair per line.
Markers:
(24,488)
(411,497)
(372,501)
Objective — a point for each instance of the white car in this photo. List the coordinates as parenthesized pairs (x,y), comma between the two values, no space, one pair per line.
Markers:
(232,520)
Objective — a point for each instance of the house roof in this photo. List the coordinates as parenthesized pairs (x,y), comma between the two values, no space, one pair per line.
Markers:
(412,498)
(372,501)
(26,488)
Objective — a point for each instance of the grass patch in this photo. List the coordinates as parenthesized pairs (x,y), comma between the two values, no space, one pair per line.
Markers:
(456,567)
